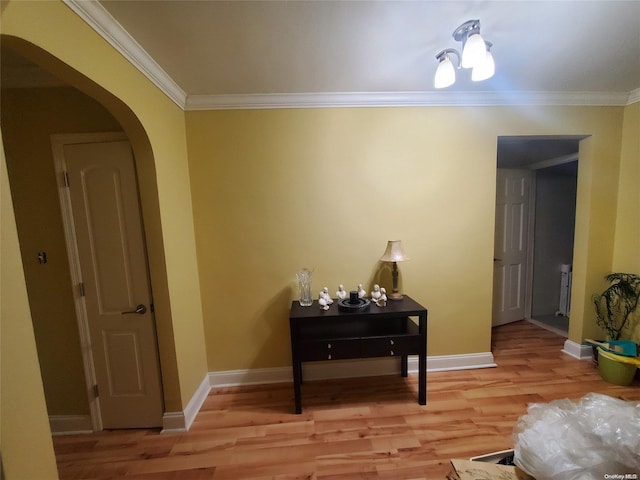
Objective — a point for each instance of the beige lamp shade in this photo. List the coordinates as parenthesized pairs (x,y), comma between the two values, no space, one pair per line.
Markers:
(394,252)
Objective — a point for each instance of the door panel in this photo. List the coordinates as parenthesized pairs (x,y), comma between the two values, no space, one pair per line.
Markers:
(123,353)
(514,289)
(111,250)
(513,189)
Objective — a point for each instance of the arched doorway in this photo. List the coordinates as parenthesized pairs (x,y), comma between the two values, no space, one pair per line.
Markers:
(107,112)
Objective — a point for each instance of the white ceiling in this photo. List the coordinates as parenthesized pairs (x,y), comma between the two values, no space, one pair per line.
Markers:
(222,48)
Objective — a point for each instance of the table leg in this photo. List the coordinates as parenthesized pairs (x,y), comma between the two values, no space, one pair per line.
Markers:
(422,362)
(404,365)
(297,380)
(422,379)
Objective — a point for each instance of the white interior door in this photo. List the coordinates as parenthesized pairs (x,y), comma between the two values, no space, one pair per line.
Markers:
(513,190)
(114,284)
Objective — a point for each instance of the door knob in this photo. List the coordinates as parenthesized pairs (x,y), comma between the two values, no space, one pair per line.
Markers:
(140,310)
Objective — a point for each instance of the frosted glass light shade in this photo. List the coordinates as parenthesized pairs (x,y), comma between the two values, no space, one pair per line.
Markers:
(474,51)
(485,69)
(445,74)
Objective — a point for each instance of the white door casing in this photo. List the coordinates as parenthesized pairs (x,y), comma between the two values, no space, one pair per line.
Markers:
(510,276)
(101,210)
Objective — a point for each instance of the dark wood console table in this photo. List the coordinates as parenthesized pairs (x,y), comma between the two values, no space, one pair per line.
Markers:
(388,331)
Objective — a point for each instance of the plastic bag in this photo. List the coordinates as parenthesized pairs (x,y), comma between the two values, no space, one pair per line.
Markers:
(596,438)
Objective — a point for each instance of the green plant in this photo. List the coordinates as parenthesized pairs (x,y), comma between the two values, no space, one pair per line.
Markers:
(615,305)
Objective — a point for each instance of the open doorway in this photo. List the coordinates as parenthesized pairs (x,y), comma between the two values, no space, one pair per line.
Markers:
(553,237)
(538,226)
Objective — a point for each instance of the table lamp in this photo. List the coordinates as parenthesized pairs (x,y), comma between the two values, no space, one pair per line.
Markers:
(394,253)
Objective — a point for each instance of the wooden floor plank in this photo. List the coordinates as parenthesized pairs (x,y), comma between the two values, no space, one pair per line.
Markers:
(366,428)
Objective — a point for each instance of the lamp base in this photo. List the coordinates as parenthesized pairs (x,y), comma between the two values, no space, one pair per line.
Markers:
(395,296)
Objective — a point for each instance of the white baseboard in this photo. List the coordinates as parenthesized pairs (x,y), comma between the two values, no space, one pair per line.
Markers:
(254,376)
(194,405)
(577,350)
(468,361)
(70,424)
(173,422)
(349,369)
(181,421)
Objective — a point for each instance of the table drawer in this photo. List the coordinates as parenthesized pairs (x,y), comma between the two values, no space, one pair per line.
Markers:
(329,349)
(390,346)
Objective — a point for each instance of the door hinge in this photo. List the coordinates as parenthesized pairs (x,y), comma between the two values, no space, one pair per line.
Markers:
(96,392)
(81,289)
(65,178)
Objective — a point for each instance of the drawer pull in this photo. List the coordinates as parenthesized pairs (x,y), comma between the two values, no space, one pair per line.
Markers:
(391,342)
(328,345)
(392,353)
(329,358)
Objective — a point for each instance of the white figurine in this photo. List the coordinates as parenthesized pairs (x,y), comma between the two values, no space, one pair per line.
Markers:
(361,291)
(323,303)
(325,294)
(341,293)
(324,299)
(375,294)
(379,296)
(382,301)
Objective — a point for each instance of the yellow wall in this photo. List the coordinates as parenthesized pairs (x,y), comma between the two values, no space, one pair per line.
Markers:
(627,252)
(627,247)
(29,117)
(277,190)
(25,438)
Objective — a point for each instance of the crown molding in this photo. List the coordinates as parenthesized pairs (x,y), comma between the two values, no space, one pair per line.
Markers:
(634,96)
(403,99)
(108,28)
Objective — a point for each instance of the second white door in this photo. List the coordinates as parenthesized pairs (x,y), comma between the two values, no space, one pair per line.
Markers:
(513,189)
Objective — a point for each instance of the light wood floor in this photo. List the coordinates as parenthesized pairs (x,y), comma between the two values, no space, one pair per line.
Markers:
(369,428)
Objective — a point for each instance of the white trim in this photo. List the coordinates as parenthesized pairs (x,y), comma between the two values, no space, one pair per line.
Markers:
(173,422)
(194,405)
(254,376)
(402,99)
(108,28)
(70,424)
(349,369)
(182,421)
(577,350)
(445,363)
(634,96)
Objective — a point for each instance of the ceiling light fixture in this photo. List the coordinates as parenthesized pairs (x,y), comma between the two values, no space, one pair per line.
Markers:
(476,54)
